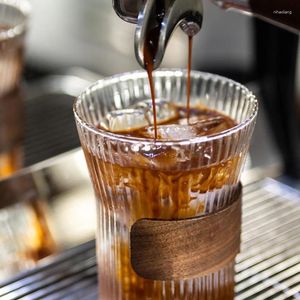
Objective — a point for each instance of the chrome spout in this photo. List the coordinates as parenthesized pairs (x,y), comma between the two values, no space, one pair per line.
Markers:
(128,10)
(156,21)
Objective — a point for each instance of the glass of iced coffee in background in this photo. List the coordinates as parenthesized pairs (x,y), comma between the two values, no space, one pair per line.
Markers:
(13,23)
(11,132)
(191,170)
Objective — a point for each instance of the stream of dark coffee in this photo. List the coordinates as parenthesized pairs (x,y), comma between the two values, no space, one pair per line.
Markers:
(150,50)
(188,85)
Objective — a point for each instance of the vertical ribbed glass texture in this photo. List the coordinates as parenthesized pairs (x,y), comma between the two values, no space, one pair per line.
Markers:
(138,178)
(13,21)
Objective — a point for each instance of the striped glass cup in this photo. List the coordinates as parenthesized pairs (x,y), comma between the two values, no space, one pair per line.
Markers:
(138,178)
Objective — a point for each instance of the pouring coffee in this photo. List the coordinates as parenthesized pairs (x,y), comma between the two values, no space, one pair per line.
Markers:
(188,15)
(156,169)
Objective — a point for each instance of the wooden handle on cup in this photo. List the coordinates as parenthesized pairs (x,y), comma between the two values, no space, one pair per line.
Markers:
(189,248)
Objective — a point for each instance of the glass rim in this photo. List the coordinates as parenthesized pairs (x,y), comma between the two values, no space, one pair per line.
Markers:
(150,141)
(24,7)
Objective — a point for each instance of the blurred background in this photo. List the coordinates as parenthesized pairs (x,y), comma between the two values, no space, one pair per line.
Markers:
(70,44)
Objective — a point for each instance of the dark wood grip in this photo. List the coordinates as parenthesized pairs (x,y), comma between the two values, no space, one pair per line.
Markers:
(189,248)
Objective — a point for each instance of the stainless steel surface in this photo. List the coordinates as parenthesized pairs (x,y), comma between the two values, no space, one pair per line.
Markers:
(269,264)
(63,182)
(71,275)
(243,4)
(128,10)
(49,127)
(267,268)
(38,117)
(60,189)
(186,13)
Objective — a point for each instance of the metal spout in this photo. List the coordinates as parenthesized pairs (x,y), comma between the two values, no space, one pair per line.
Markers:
(161,17)
(156,21)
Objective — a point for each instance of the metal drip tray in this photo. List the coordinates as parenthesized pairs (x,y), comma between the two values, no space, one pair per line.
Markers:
(59,190)
(48,117)
(268,266)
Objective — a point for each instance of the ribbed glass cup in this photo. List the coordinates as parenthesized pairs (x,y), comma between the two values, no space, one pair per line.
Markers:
(13,23)
(137,178)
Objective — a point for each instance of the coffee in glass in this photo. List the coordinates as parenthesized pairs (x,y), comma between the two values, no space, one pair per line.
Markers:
(191,169)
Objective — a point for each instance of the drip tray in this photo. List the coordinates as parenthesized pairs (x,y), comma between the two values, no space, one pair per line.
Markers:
(268,266)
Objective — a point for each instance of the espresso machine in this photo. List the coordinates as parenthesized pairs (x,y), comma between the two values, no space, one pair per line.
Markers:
(275,52)
(43,194)
(189,15)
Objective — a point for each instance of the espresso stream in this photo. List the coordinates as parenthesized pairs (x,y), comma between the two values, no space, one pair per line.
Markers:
(188,84)
(150,51)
